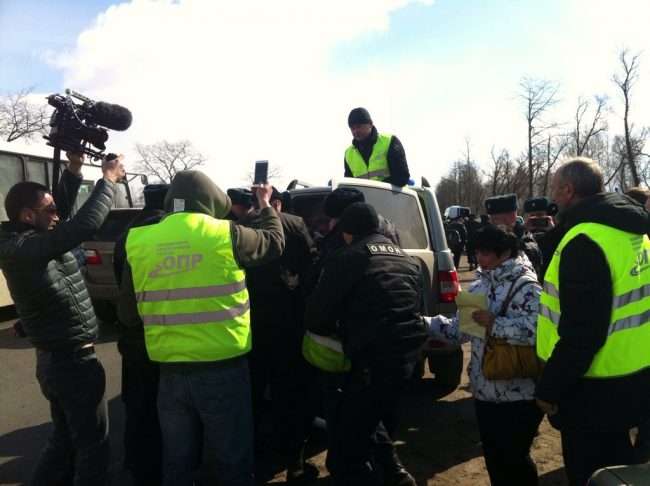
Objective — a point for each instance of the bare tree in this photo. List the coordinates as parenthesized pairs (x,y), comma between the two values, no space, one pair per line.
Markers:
(163,159)
(19,118)
(625,81)
(555,148)
(586,130)
(275,172)
(538,96)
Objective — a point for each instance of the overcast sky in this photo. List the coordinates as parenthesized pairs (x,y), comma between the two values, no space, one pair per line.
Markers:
(249,80)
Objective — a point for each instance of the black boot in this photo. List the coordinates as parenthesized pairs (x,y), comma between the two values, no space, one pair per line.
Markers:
(395,474)
(300,471)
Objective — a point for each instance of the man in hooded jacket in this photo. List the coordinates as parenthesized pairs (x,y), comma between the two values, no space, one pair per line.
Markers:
(185,278)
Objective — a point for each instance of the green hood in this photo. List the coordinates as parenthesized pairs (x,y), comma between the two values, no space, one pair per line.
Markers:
(194,191)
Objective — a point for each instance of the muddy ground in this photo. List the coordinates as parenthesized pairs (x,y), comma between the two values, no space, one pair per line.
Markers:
(438,439)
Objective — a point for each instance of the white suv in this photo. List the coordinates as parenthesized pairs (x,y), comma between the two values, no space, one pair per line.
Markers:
(414,212)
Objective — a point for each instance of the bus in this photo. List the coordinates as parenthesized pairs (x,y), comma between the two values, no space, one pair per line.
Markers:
(17,167)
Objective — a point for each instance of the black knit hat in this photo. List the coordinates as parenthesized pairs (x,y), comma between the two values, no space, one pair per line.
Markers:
(154,195)
(501,204)
(359,116)
(536,204)
(339,199)
(241,196)
(359,218)
(276,195)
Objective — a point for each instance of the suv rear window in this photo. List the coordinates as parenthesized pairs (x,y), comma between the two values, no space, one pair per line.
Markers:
(399,208)
(114,225)
(403,211)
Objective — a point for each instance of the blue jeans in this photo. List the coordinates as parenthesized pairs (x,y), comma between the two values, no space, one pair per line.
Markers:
(78,445)
(215,404)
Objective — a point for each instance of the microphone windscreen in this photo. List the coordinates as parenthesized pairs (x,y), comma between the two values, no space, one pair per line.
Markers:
(111,116)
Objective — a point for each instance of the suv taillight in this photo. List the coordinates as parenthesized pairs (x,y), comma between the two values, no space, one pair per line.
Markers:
(448,286)
(93,257)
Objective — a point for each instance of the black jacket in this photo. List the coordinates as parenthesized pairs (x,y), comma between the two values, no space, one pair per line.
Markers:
(44,278)
(133,332)
(372,298)
(396,157)
(586,300)
(283,274)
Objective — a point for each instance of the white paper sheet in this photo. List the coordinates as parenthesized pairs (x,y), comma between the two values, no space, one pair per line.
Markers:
(468,303)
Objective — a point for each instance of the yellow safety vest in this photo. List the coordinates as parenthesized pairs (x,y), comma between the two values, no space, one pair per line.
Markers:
(628,338)
(191,293)
(324,352)
(377,168)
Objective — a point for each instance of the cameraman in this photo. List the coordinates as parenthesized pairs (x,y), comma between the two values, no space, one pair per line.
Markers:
(58,318)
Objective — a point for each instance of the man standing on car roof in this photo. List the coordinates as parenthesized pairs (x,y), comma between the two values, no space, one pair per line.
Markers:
(277,308)
(58,318)
(370,294)
(372,155)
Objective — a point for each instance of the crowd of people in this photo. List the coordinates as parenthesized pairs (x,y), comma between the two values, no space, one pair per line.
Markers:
(225,301)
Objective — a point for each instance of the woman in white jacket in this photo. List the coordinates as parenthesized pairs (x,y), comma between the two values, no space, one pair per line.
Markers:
(507,415)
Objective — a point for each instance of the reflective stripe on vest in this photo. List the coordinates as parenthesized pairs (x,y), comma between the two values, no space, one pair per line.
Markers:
(628,336)
(190,292)
(377,168)
(324,352)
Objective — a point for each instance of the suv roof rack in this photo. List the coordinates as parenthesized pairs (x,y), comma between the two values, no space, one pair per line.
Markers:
(296,182)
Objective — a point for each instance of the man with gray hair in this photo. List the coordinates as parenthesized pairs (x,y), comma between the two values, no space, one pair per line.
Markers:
(593,321)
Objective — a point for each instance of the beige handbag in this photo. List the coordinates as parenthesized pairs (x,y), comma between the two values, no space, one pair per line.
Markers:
(505,361)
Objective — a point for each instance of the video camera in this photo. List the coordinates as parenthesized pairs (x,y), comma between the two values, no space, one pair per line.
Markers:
(74,125)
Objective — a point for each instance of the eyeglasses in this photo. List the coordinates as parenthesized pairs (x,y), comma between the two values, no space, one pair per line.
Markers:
(48,209)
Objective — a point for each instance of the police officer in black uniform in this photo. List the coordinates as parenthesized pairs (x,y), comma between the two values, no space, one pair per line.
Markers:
(370,293)
(275,361)
(503,210)
(142,437)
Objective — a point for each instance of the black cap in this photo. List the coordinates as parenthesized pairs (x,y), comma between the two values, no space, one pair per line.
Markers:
(241,196)
(536,204)
(276,195)
(154,195)
(552,209)
(359,116)
(359,218)
(501,204)
(339,199)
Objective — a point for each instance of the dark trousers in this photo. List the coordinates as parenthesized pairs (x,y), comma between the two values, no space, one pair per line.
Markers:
(457,252)
(75,389)
(507,431)
(142,437)
(370,396)
(471,255)
(276,362)
(332,389)
(584,452)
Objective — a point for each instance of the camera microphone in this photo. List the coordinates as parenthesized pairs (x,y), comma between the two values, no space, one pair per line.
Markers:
(111,116)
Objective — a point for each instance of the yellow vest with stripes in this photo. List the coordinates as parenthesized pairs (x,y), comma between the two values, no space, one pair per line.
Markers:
(628,338)
(377,168)
(325,352)
(191,293)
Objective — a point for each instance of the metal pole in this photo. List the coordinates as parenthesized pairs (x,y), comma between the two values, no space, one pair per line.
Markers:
(56,168)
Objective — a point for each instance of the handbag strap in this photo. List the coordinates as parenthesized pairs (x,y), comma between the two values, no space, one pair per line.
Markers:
(511,294)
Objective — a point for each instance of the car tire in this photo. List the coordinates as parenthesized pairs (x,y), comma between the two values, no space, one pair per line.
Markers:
(447,369)
(418,369)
